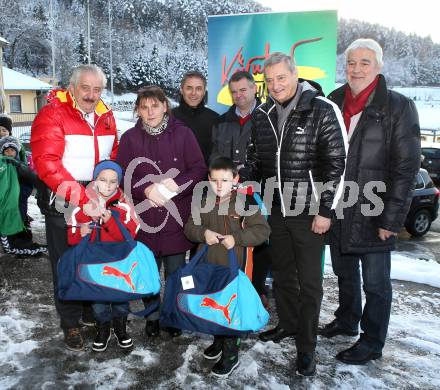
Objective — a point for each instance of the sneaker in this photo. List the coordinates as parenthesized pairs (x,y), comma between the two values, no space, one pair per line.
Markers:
(214,351)
(225,366)
(120,330)
(102,337)
(85,322)
(152,328)
(73,340)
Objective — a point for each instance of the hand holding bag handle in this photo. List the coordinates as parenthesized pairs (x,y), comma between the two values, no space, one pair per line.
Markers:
(201,256)
(124,231)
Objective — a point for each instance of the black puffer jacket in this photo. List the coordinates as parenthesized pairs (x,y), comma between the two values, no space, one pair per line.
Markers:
(229,138)
(310,147)
(385,146)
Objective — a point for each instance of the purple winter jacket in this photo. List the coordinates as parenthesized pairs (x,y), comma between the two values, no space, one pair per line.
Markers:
(176,147)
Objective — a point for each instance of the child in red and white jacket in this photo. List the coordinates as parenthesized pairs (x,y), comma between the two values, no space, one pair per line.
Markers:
(107,176)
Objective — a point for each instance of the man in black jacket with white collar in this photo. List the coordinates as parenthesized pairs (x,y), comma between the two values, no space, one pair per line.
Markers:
(297,142)
(384,147)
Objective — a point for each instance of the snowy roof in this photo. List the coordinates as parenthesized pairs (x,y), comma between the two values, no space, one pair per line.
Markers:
(3,42)
(16,80)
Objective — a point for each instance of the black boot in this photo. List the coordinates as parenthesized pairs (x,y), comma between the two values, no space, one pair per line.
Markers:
(102,337)
(152,328)
(360,353)
(173,332)
(87,318)
(306,364)
(73,339)
(229,360)
(276,334)
(120,329)
(334,328)
(214,351)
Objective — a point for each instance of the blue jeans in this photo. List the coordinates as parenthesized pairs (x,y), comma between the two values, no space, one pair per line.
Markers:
(106,311)
(375,316)
(171,264)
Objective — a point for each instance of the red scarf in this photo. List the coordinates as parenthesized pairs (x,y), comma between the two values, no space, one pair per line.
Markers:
(243,120)
(354,105)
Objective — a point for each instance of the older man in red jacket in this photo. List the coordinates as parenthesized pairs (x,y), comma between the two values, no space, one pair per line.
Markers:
(70,135)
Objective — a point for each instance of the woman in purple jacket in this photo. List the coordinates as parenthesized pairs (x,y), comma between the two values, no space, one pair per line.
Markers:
(162,163)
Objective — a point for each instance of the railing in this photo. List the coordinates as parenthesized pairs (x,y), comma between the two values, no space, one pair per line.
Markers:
(123,105)
(430,135)
(20,119)
(21,126)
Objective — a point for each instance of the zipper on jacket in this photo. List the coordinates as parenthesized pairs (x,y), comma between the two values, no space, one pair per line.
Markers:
(95,138)
(283,207)
(279,144)
(315,193)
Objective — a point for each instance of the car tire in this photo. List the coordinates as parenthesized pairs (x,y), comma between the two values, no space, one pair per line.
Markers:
(419,223)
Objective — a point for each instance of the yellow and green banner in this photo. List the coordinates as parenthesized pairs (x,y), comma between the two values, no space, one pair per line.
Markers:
(243,42)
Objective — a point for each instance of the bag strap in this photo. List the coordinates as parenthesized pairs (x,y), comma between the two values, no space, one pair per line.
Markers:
(260,204)
(201,255)
(147,311)
(198,257)
(96,227)
(122,228)
(233,261)
(232,257)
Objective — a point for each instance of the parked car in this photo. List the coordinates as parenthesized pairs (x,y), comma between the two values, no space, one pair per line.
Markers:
(424,205)
(431,160)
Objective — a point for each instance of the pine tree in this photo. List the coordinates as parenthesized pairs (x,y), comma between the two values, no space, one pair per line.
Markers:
(82,50)
(26,64)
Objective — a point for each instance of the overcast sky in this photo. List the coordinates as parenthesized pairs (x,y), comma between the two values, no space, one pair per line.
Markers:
(420,16)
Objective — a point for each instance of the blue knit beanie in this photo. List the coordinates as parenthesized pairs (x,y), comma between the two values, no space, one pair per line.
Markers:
(108,164)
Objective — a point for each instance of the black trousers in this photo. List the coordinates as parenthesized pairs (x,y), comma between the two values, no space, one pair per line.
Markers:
(262,261)
(171,263)
(297,276)
(56,235)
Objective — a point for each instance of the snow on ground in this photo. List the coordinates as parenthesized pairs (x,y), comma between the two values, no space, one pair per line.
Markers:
(429,94)
(429,115)
(427,100)
(32,353)
(125,97)
(124,120)
(406,268)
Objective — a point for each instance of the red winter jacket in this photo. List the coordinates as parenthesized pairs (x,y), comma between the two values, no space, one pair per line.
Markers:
(110,230)
(65,148)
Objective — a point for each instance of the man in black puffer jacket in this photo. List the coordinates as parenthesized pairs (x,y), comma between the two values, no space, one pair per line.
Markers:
(296,141)
(384,147)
